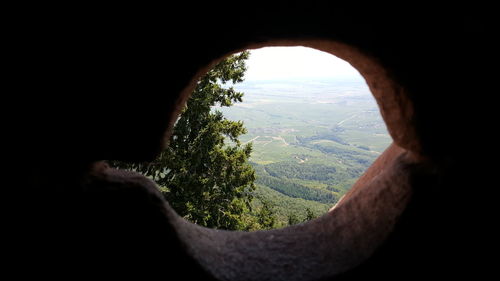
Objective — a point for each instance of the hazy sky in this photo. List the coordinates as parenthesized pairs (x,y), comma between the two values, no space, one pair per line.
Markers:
(272,63)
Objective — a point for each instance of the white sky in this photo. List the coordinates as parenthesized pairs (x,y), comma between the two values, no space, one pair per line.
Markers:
(271,63)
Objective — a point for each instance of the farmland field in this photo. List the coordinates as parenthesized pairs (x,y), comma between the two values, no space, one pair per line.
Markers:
(311,140)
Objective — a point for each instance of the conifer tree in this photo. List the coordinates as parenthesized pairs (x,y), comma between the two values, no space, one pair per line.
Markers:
(204,172)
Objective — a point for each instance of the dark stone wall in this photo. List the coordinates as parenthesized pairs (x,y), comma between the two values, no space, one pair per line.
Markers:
(106,85)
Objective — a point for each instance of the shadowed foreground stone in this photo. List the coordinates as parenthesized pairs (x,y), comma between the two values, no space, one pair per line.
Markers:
(103,87)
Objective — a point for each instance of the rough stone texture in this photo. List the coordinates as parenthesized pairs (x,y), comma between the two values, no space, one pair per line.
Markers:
(110,87)
(325,247)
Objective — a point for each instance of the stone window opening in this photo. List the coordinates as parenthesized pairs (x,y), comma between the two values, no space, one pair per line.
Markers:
(351,231)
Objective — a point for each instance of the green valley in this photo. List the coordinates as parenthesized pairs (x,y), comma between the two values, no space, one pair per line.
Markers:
(311,141)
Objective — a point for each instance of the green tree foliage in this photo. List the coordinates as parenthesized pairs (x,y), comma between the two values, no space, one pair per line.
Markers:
(293,219)
(296,190)
(261,216)
(204,172)
(266,217)
(301,171)
(310,215)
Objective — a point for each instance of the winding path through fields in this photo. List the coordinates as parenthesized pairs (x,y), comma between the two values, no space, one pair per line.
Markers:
(281,139)
(278,138)
(252,140)
(340,123)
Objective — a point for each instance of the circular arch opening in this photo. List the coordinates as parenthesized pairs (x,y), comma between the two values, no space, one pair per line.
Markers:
(395,106)
(314,128)
(351,231)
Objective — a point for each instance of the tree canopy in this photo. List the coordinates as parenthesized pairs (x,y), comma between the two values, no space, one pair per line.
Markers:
(204,173)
